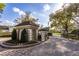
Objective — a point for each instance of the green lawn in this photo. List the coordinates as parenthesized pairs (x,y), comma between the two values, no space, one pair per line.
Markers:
(5,34)
(56,34)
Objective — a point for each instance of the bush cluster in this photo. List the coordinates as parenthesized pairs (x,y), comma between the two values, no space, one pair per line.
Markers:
(14,35)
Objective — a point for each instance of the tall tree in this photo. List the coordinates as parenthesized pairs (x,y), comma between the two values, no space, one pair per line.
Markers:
(62,18)
(73,9)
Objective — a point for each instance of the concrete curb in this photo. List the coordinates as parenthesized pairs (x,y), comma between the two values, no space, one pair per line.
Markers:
(18,46)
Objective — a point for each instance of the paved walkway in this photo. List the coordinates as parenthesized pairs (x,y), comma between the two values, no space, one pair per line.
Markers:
(53,47)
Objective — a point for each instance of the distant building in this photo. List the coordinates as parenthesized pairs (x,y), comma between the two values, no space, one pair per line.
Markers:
(6,28)
(43,32)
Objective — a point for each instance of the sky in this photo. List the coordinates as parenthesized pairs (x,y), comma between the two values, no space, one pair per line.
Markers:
(40,11)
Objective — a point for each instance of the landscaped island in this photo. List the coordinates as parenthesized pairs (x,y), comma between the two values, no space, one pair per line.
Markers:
(27,32)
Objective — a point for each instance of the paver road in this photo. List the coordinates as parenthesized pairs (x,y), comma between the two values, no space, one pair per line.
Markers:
(55,46)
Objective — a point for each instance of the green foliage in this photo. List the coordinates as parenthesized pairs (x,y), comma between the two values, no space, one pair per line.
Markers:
(75,31)
(14,35)
(49,34)
(25,18)
(2,5)
(73,35)
(56,34)
(5,34)
(73,9)
(63,17)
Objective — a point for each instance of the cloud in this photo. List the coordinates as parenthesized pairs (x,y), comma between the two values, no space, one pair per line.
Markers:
(42,15)
(7,23)
(17,10)
(58,6)
(43,18)
(46,7)
(21,13)
(33,14)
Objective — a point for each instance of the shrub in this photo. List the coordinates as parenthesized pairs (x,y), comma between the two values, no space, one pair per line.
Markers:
(74,34)
(49,34)
(14,35)
(64,35)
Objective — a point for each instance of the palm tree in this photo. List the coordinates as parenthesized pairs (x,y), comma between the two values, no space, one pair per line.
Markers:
(25,18)
(2,5)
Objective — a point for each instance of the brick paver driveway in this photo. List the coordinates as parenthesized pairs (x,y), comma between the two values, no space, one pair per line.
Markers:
(52,47)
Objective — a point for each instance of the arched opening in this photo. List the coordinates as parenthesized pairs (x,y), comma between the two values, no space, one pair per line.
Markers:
(39,37)
(24,36)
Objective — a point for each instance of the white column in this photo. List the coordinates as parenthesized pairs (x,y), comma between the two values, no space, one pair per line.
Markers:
(30,34)
(36,34)
(20,34)
(17,33)
(43,36)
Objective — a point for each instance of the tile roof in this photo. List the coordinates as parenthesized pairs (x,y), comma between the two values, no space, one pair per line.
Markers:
(27,23)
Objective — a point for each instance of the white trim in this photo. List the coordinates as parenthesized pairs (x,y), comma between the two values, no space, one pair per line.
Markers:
(25,26)
(36,34)
(17,33)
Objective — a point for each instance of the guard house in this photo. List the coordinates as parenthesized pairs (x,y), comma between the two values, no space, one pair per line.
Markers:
(43,33)
(27,29)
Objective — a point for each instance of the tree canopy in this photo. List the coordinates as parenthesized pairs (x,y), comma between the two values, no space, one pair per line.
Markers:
(65,17)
